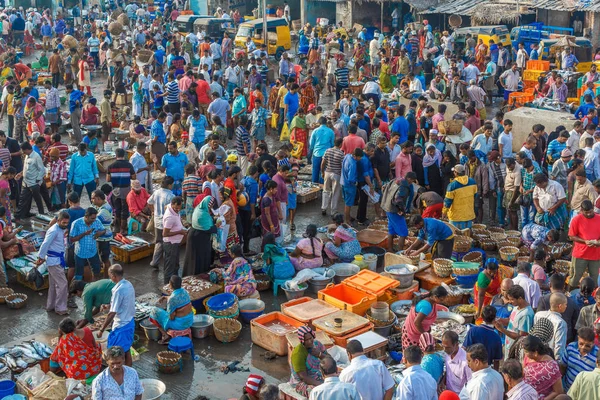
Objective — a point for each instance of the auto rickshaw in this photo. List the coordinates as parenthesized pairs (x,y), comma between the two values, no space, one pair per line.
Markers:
(497,33)
(278,35)
(214,27)
(185,23)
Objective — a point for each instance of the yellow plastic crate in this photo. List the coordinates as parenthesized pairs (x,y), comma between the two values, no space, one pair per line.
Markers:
(532,74)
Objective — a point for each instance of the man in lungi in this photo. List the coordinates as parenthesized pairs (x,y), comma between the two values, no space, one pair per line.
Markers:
(433,234)
(121,313)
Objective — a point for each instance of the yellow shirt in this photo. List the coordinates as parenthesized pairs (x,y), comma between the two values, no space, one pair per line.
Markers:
(10,107)
(282,92)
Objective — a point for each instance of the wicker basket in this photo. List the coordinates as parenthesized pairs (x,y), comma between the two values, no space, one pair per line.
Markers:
(451,127)
(378,322)
(522,259)
(115,28)
(495,229)
(227,330)
(453,300)
(414,259)
(509,253)
(168,358)
(478,227)
(70,42)
(514,241)
(4,292)
(498,237)
(474,257)
(513,234)
(123,19)
(563,267)
(462,244)
(481,232)
(442,267)
(262,282)
(465,271)
(10,300)
(228,312)
(488,245)
(503,243)
(524,250)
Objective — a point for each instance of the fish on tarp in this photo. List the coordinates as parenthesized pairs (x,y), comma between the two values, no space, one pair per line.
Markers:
(16,352)
(3,351)
(42,348)
(10,361)
(31,353)
(21,364)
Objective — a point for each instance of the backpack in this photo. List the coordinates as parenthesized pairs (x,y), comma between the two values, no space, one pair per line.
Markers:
(394,197)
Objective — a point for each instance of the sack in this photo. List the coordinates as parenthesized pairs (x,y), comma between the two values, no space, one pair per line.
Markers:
(285,133)
(388,194)
(525,200)
(36,277)
(150,226)
(220,238)
(274,117)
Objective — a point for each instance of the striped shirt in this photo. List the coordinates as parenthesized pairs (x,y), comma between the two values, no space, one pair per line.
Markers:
(120,173)
(522,391)
(105,217)
(333,158)
(341,75)
(172,92)
(63,150)
(576,363)
(242,137)
(191,186)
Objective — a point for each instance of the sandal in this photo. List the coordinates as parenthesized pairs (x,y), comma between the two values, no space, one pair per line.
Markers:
(164,340)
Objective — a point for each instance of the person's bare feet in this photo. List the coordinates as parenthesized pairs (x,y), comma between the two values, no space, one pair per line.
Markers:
(66,312)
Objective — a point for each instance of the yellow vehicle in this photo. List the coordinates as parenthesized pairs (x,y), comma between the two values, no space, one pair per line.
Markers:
(278,35)
(499,33)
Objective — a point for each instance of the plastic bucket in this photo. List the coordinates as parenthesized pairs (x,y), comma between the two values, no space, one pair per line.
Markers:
(109,146)
(371,260)
(380,311)
(378,251)
(7,388)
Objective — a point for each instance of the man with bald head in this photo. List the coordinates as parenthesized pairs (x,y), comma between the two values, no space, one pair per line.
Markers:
(558,305)
(503,307)
(121,313)
(570,315)
(332,387)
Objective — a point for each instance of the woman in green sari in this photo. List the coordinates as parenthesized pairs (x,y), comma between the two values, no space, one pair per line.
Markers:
(299,132)
(385,80)
(277,261)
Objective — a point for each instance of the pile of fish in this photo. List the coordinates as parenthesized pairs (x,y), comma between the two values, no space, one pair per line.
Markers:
(136,242)
(142,311)
(191,284)
(438,329)
(22,355)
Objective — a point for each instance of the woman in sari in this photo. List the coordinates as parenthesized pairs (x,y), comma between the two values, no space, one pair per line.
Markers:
(76,353)
(299,131)
(84,77)
(431,170)
(385,81)
(277,261)
(230,216)
(308,251)
(480,54)
(138,96)
(90,114)
(34,114)
(179,315)
(225,48)
(305,360)
(488,283)
(313,54)
(308,94)
(550,201)
(239,278)
(198,252)
(8,174)
(421,316)
(269,211)
(540,369)
(360,55)
(344,245)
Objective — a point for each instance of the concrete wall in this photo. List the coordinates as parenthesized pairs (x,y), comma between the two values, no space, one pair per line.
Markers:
(592,22)
(343,13)
(320,9)
(555,18)
(524,118)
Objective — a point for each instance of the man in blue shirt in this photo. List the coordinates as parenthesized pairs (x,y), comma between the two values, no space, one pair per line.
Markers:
(400,124)
(46,31)
(76,98)
(433,234)
(84,233)
(173,164)
(321,139)
(486,335)
(83,171)
(292,102)
(248,212)
(349,179)
(159,59)
(365,178)
(33,92)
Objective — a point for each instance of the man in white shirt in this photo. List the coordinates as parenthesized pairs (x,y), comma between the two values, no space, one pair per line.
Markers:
(574,136)
(374,54)
(444,63)
(231,77)
(531,287)
(416,383)
(121,313)
(558,305)
(485,384)
(140,166)
(510,81)
(333,388)
(371,377)
(521,57)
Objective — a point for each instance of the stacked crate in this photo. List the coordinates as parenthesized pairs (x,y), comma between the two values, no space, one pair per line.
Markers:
(535,69)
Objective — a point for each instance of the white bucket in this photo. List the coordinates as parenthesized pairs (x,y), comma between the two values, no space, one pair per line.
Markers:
(109,146)
(371,260)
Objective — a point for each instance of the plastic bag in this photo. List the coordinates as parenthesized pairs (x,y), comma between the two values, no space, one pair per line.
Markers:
(36,277)
(285,133)
(297,150)
(274,117)
(220,239)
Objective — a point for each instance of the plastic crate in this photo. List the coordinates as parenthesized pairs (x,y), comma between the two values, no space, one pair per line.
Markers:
(538,65)
(519,99)
(529,84)
(266,338)
(532,74)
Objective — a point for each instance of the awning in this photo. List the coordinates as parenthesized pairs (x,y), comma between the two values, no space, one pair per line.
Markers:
(497,13)
(458,7)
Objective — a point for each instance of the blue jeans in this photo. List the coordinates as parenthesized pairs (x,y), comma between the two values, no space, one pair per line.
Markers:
(316,169)
(527,214)
(90,187)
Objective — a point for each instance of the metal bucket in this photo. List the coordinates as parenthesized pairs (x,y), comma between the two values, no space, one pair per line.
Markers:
(344,270)
(151,331)
(153,389)
(202,326)
(386,330)
(319,284)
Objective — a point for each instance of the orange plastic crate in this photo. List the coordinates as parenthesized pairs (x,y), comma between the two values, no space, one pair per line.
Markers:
(529,91)
(519,98)
(274,340)
(538,65)
(529,84)
(533,74)
(343,340)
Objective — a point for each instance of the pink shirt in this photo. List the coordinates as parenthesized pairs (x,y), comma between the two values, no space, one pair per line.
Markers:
(172,221)
(184,83)
(436,119)
(538,273)
(457,371)
(403,165)
(352,142)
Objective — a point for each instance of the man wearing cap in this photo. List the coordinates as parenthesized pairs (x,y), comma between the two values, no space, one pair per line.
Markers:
(253,385)
(188,148)
(459,203)
(560,168)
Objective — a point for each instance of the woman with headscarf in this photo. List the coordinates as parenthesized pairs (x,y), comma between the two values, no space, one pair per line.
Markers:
(421,316)
(448,162)
(344,245)
(431,169)
(488,283)
(431,362)
(308,253)
(385,80)
(277,261)
(540,369)
(416,162)
(299,131)
(198,252)
(305,360)
(542,329)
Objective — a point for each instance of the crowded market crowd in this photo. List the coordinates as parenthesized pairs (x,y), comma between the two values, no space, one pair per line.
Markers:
(380,151)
